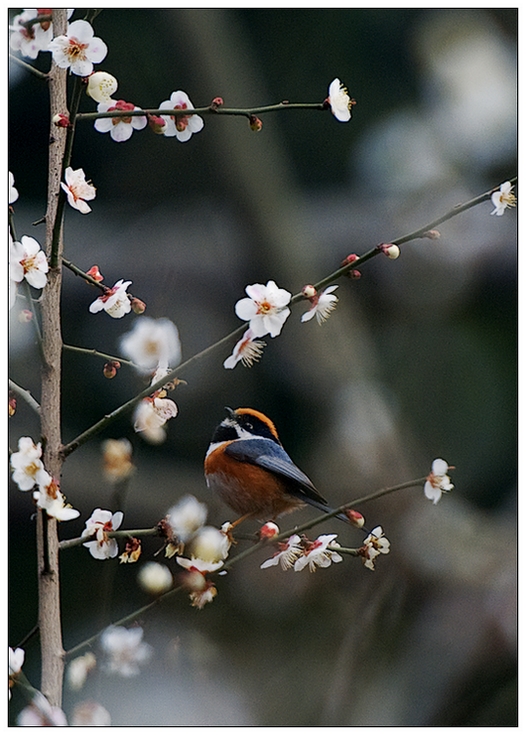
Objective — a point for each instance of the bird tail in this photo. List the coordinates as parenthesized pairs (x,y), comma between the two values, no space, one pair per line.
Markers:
(327,509)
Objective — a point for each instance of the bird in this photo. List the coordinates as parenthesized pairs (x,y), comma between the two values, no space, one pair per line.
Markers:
(248,468)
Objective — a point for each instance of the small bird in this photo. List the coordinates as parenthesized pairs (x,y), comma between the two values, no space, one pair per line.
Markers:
(252,473)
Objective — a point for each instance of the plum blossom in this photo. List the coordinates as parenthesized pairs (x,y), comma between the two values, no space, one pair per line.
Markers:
(210,544)
(317,554)
(41,714)
(266,308)
(155,578)
(30,41)
(27,260)
(339,101)
(287,554)
(16,661)
(132,551)
(13,192)
(79,49)
(247,351)
(114,301)
(100,524)
(78,670)
(321,304)
(438,481)
(101,86)
(152,342)
(125,650)
(49,498)
(503,199)
(186,518)
(116,459)
(27,465)
(374,544)
(90,714)
(151,415)
(119,128)
(182,126)
(78,190)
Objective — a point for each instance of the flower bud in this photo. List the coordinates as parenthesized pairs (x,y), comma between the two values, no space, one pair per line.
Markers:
(432,234)
(216,102)
(110,369)
(155,578)
(116,459)
(95,273)
(25,316)
(352,258)
(157,124)
(392,251)
(101,86)
(61,120)
(255,123)
(12,404)
(309,292)
(268,530)
(355,517)
(138,306)
(210,545)
(354,274)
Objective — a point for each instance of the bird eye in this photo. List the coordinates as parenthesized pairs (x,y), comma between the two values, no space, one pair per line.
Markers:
(249,426)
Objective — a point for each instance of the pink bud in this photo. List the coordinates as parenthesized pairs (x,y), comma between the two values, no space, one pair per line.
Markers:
(268,530)
(12,404)
(432,234)
(255,123)
(157,124)
(392,251)
(216,102)
(61,120)
(309,292)
(138,306)
(95,273)
(349,259)
(110,369)
(25,316)
(355,517)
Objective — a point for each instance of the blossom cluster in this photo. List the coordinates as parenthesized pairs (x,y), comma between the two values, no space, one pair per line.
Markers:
(206,546)
(266,309)
(28,471)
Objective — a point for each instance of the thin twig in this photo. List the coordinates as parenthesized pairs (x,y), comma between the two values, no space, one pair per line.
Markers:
(25,395)
(125,407)
(242,555)
(29,68)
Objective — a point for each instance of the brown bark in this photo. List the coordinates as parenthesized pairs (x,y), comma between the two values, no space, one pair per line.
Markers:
(47,536)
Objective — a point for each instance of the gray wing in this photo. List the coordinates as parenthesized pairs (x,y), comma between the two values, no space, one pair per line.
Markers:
(270,456)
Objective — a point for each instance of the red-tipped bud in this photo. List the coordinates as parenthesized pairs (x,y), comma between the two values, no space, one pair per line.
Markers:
(61,120)
(25,316)
(349,259)
(95,273)
(12,404)
(44,24)
(110,369)
(355,517)
(309,292)
(216,102)
(255,123)
(432,234)
(392,251)
(354,274)
(268,530)
(138,306)
(157,124)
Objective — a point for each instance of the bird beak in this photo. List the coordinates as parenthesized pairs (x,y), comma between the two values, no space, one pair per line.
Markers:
(230,411)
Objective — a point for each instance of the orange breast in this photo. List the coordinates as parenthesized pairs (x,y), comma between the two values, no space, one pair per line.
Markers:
(247,488)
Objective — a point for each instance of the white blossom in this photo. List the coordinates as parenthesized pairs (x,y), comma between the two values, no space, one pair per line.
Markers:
(340,101)
(79,49)
(152,342)
(181,126)
(125,650)
(266,308)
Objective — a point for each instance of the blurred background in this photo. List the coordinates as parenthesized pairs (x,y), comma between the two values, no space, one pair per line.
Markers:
(418,361)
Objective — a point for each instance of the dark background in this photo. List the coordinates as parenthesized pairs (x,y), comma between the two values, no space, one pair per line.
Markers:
(417,362)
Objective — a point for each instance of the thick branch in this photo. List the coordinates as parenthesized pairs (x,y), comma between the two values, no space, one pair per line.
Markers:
(47,538)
